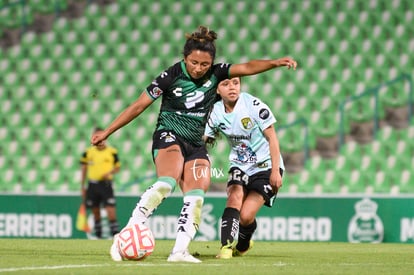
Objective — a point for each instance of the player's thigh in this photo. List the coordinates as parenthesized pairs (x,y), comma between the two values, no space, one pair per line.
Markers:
(169,162)
(196,175)
(251,205)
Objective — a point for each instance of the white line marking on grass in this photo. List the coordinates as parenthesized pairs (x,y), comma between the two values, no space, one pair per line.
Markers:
(30,268)
(13,269)
(367,264)
(281,264)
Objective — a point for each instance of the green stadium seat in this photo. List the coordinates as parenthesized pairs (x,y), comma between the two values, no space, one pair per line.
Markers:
(290,180)
(382,182)
(61,26)
(43,6)
(13,17)
(306,182)
(59,179)
(326,126)
(315,164)
(30,180)
(111,53)
(357,182)
(28,39)
(406,183)
(333,180)
(9,179)
(291,139)
(25,65)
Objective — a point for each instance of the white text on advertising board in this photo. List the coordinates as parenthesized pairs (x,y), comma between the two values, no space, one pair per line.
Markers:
(35,225)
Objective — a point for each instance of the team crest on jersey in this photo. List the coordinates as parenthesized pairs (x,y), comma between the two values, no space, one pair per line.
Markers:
(247,123)
(167,136)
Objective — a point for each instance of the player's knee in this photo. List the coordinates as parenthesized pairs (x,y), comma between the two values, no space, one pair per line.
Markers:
(246,219)
(235,196)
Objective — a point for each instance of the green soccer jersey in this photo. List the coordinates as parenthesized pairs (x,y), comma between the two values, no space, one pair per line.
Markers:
(186,102)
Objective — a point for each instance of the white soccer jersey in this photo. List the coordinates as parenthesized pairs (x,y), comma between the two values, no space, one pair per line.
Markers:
(243,129)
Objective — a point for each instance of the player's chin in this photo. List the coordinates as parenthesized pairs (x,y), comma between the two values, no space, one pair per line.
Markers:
(197,75)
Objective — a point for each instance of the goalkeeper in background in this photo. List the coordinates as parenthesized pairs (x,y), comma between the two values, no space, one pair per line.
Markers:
(256,165)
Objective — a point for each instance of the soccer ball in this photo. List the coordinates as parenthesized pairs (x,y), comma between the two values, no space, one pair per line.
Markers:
(136,242)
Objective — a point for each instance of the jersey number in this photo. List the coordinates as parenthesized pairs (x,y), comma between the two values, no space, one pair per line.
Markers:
(239,176)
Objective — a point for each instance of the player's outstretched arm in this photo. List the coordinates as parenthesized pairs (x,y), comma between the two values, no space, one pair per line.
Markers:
(131,112)
(258,66)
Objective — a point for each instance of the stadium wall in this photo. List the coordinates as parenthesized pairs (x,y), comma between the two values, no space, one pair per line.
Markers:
(322,219)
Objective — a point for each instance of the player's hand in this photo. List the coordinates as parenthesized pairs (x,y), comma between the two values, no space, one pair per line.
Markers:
(98,137)
(275,181)
(107,176)
(288,62)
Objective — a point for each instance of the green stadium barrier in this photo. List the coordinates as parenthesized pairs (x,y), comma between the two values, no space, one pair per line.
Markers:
(322,219)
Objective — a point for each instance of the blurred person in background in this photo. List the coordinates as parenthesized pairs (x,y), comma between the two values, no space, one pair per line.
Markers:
(99,164)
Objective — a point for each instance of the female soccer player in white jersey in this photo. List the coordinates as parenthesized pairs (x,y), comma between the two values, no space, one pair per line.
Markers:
(188,91)
(256,165)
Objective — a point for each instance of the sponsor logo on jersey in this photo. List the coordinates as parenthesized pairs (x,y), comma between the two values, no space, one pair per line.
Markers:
(156,92)
(237,138)
(247,123)
(167,136)
(264,113)
(262,165)
(245,154)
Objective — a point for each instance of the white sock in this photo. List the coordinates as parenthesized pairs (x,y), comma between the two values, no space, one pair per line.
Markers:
(189,220)
(151,199)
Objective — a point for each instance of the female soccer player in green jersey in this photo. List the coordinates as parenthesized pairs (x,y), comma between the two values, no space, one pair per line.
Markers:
(188,91)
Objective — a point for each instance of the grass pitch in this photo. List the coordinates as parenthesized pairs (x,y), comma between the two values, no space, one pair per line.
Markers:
(40,256)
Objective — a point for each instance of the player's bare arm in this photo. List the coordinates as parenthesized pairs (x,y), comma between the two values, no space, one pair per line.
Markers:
(271,137)
(258,66)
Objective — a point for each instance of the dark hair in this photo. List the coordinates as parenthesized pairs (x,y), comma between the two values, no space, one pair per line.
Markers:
(210,142)
(202,39)
(97,129)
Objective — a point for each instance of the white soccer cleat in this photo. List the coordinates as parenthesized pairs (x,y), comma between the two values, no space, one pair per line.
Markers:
(114,251)
(182,256)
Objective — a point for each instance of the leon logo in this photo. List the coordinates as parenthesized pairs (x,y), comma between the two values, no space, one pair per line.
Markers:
(247,123)
(365,226)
